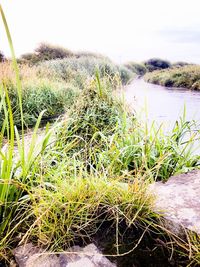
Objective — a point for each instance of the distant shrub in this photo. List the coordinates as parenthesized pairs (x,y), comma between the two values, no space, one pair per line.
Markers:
(2,57)
(156,64)
(29,58)
(90,55)
(196,85)
(138,68)
(180,64)
(46,52)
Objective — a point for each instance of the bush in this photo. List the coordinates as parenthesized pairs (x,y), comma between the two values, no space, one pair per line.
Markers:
(156,64)
(46,52)
(90,55)
(2,57)
(179,64)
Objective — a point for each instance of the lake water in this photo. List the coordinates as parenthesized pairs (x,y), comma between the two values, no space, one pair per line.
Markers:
(164,105)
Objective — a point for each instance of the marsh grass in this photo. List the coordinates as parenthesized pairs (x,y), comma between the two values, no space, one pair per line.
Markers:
(95,173)
(183,76)
(112,140)
(14,175)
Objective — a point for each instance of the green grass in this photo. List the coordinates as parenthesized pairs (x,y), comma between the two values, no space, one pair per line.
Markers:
(80,69)
(54,98)
(184,76)
(89,171)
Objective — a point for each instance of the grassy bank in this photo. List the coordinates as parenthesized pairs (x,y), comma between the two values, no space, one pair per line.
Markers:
(183,76)
(53,85)
(89,173)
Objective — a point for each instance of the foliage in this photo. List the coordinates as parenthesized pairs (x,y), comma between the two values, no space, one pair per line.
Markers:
(46,52)
(106,137)
(78,70)
(51,97)
(126,75)
(93,173)
(186,77)
(90,55)
(156,64)
(2,57)
(138,68)
(180,64)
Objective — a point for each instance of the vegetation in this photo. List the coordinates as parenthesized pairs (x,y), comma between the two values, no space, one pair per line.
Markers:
(38,94)
(183,76)
(2,57)
(80,69)
(45,52)
(90,171)
(180,64)
(138,68)
(156,64)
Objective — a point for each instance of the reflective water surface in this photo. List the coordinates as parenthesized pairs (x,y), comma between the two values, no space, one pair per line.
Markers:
(164,105)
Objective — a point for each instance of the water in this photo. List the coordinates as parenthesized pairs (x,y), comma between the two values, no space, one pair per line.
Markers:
(164,105)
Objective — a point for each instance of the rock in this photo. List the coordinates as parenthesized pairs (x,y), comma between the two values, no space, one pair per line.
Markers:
(29,255)
(178,200)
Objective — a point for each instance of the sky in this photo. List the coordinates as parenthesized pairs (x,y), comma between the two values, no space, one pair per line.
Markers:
(124,30)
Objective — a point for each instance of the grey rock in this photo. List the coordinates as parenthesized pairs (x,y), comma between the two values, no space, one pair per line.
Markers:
(29,255)
(32,256)
(178,200)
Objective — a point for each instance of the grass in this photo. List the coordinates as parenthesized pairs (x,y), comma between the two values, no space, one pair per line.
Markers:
(79,69)
(91,171)
(138,68)
(38,94)
(183,76)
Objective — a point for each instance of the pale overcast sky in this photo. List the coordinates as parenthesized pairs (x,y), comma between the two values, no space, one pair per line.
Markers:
(121,29)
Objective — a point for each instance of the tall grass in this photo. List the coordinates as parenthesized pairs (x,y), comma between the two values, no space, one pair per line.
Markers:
(80,69)
(14,170)
(114,141)
(97,172)
(94,174)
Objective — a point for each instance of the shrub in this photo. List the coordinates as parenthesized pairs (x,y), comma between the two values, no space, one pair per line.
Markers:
(90,55)
(48,52)
(179,64)
(29,58)
(2,57)
(156,64)
(45,52)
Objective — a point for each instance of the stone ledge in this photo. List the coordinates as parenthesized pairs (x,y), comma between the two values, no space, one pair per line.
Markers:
(179,199)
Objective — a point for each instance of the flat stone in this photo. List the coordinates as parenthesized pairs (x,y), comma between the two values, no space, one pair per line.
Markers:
(29,255)
(179,199)
(32,256)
